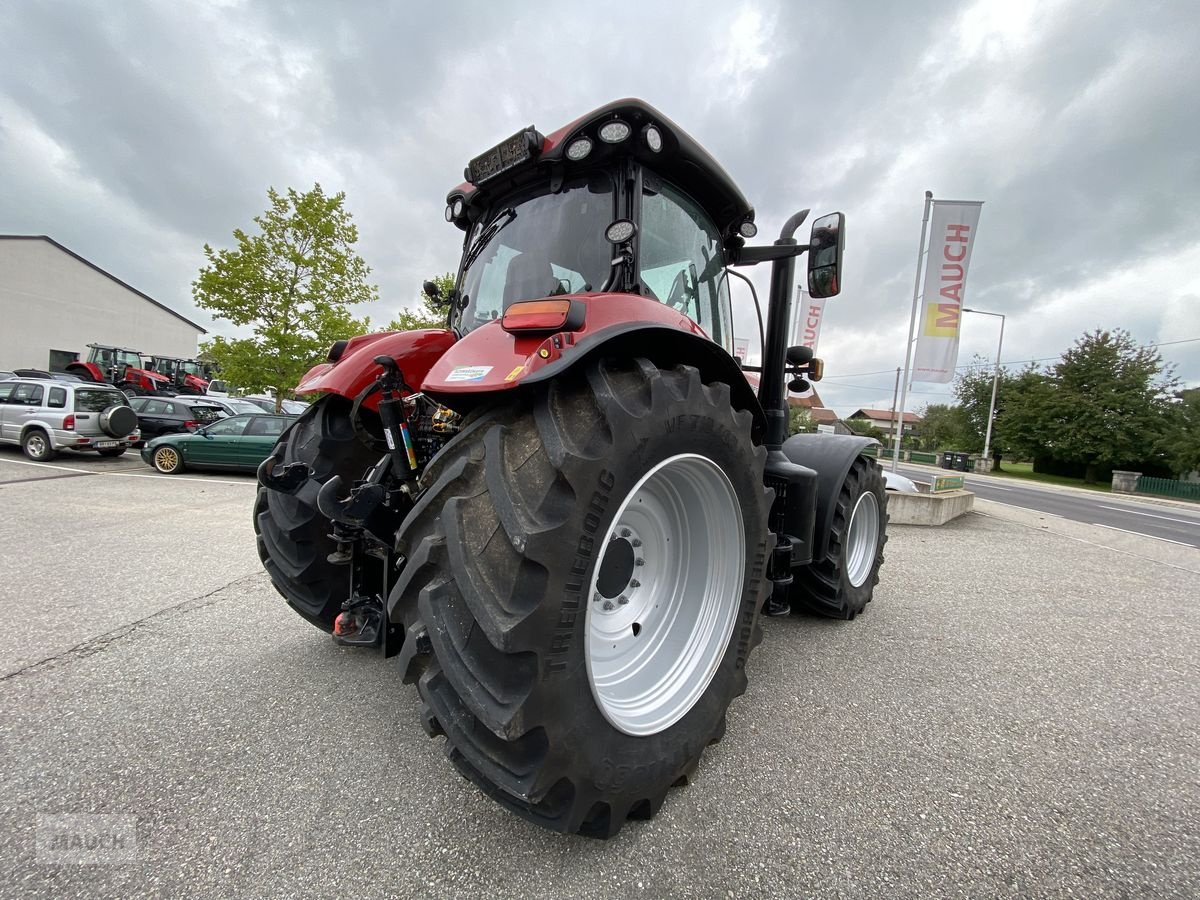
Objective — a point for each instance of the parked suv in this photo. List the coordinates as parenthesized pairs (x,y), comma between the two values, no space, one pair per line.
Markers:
(173,415)
(45,416)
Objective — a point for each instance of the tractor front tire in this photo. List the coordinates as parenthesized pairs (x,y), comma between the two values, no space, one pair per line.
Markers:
(293,536)
(586,569)
(842,583)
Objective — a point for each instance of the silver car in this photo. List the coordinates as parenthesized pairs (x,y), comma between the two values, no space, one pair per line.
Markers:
(45,416)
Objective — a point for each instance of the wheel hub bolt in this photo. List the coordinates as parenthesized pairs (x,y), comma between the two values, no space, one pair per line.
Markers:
(608,605)
(596,598)
(639,562)
(622,599)
(636,542)
(625,532)
(635,583)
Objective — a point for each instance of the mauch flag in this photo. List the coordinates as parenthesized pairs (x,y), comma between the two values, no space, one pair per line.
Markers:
(806,320)
(952,229)
(807,313)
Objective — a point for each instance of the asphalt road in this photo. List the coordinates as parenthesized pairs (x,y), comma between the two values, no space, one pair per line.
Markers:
(1172,523)
(985,729)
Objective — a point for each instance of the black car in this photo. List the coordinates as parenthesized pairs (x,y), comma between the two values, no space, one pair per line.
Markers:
(173,415)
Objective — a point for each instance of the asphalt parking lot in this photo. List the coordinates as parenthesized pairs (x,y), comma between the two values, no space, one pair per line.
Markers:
(1016,714)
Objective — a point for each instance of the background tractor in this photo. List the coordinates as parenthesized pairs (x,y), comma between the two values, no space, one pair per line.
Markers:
(121,367)
(563,514)
(187,375)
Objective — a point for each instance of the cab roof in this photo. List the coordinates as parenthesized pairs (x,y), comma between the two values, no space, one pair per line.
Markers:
(681,161)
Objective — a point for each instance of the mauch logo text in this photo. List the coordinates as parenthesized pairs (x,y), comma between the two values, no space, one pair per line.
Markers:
(80,839)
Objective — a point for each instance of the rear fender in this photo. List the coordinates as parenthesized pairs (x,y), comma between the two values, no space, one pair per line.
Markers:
(831,455)
(490,361)
(356,369)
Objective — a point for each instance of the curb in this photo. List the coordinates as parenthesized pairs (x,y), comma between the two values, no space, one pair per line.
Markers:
(1062,488)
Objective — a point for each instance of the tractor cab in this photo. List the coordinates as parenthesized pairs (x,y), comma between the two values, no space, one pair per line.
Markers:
(620,201)
(187,375)
(122,367)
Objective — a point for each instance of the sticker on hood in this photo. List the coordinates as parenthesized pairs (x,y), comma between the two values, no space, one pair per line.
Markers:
(469,373)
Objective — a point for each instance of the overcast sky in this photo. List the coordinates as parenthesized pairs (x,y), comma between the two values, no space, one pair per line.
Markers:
(135,132)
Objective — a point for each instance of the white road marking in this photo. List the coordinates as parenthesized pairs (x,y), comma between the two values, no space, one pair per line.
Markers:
(1151,515)
(1143,534)
(157,477)
(996,487)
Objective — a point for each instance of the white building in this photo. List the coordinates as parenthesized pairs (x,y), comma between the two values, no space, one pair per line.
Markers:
(53,303)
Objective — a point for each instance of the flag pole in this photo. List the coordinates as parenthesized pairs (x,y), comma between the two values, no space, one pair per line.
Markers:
(912,327)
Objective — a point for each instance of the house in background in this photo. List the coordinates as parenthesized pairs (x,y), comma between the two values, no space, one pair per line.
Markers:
(885,421)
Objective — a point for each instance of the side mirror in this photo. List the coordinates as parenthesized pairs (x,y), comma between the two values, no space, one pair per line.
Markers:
(431,290)
(825,255)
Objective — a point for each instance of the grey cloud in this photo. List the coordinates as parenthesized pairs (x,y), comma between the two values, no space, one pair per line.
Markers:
(1080,136)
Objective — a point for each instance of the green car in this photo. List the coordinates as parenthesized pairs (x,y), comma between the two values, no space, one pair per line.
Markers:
(238,442)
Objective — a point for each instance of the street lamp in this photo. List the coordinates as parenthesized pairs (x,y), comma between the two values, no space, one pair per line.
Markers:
(987,440)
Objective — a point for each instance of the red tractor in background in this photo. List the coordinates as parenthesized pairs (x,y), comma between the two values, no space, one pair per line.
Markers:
(564,513)
(121,367)
(187,376)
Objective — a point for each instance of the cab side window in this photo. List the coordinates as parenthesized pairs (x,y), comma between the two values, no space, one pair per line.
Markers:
(682,260)
(58,398)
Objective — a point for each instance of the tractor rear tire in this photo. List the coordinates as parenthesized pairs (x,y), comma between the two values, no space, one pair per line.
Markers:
(841,585)
(617,505)
(293,536)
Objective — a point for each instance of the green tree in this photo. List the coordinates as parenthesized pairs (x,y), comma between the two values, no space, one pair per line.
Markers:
(1026,428)
(291,285)
(866,428)
(430,312)
(1111,401)
(944,427)
(1180,443)
(800,420)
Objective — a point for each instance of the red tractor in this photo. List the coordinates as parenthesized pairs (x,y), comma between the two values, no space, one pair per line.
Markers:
(187,376)
(564,513)
(122,367)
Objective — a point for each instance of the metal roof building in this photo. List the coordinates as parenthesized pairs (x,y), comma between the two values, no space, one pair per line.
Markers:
(53,303)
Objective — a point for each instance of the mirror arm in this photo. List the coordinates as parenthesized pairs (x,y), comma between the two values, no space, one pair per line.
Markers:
(752,256)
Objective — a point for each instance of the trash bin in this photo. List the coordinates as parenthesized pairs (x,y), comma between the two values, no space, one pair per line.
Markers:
(952,459)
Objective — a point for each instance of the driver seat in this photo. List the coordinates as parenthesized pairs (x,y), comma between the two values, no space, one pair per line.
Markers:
(529,277)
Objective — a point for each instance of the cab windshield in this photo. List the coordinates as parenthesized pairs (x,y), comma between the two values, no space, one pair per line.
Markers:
(538,246)
(191,368)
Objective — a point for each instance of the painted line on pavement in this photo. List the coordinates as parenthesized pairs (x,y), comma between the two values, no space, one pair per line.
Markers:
(1151,515)
(156,476)
(1143,534)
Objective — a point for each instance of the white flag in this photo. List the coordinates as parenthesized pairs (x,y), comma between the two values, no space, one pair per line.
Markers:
(806,320)
(952,229)
(807,313)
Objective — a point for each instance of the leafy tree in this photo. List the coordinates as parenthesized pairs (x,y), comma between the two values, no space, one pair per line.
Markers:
(945,427)
(866,428)
(1026,428)
(973,390)
(430,312)
(1110,402)
(1180,443)
(800,420)
(291,285)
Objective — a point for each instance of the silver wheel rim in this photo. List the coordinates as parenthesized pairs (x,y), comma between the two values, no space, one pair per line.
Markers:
(665,594)
(863,539)
(36,445)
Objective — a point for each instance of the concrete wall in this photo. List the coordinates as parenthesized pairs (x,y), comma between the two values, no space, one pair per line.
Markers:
(51,300)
